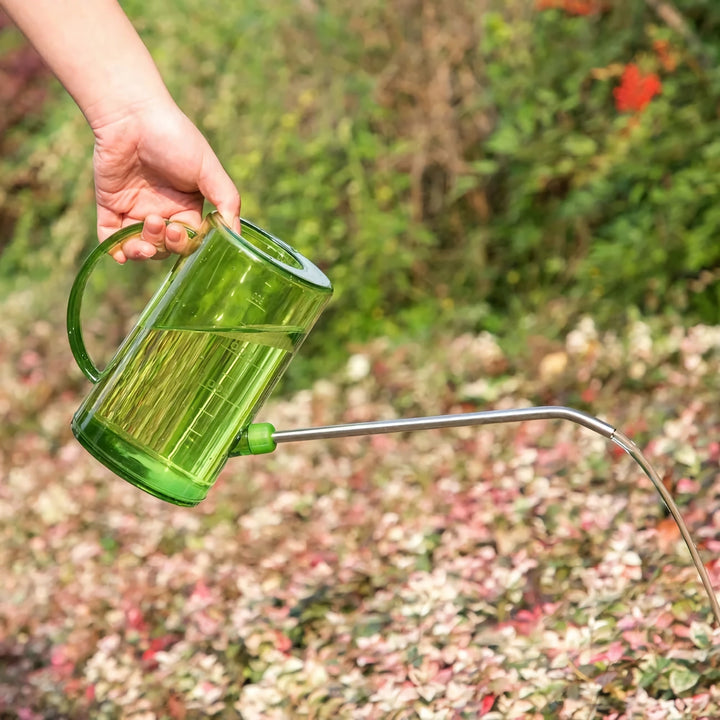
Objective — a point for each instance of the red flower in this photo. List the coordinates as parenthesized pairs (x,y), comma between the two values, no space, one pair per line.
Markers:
(573,7)
(635,90)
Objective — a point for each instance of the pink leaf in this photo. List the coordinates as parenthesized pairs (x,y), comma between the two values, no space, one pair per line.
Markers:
(614,652)
(635,639)
(486,704)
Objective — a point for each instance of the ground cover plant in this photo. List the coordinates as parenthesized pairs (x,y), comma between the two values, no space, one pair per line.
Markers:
(505,572)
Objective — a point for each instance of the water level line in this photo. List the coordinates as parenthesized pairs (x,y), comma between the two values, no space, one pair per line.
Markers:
(489,417)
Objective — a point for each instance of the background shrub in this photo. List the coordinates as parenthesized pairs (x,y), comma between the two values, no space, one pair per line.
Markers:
(462,164)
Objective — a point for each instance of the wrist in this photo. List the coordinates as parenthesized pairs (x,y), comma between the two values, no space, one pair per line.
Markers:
(123,105)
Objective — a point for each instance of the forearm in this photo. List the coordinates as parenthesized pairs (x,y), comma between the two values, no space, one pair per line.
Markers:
(93,49)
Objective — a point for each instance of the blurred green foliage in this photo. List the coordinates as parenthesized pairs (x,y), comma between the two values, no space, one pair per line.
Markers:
(456,164)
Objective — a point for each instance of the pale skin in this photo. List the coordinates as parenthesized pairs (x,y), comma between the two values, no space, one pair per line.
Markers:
(151,164)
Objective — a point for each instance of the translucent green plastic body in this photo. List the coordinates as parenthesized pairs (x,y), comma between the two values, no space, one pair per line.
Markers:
(206,352)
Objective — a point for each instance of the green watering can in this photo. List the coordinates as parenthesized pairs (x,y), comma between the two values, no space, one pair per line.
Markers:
(170,407)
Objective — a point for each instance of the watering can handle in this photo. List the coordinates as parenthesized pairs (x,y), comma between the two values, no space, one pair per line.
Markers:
(75,338)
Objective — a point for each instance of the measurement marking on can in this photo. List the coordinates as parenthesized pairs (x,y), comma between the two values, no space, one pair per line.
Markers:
(230,402)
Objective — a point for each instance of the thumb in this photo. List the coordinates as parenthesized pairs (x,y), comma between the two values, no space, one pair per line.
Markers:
(217,187)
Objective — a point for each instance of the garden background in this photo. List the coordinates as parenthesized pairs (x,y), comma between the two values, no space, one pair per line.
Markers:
(517,203)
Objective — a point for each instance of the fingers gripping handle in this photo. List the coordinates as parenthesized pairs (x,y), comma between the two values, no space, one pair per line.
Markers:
(77,344)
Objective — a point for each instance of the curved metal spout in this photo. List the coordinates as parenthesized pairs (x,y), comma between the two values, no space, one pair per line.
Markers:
(488,417)
(263,438)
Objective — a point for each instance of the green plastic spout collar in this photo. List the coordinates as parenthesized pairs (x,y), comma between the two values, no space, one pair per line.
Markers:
(256,440)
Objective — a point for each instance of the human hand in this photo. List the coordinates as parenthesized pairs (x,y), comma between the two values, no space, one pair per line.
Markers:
(151,165)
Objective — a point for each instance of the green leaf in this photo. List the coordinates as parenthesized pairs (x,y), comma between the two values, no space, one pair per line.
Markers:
(504,141)
(485,167)
(580,145)
(700,634)
(682,679)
